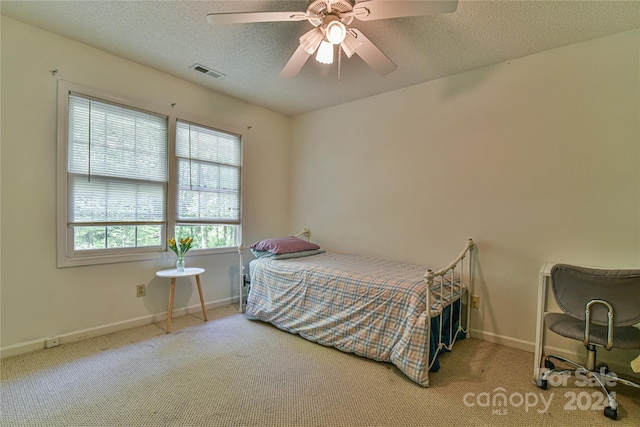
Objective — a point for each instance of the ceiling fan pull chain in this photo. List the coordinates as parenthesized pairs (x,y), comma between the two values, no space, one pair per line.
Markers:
(339,63)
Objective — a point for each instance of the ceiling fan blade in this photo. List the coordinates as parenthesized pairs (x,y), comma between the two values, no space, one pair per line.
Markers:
(249,17)
(373,56)
(297,60)
(383,9)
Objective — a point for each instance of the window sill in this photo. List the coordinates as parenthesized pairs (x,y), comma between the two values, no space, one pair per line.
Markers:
(64,261)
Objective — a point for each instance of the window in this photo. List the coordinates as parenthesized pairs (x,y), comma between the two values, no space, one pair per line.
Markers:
(116,176)
(125,169)
(208,193)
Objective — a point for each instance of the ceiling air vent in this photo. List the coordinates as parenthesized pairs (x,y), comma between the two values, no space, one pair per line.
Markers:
(208,71)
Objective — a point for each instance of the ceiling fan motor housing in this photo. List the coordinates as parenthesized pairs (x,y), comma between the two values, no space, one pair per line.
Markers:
(324,8)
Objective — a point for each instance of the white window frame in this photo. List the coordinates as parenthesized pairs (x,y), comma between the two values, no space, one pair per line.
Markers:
(66,256)
(220,163)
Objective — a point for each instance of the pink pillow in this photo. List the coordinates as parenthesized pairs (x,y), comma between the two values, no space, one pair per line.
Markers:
(284,245)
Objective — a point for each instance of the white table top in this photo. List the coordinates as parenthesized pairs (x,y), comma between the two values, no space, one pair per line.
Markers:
(172,272)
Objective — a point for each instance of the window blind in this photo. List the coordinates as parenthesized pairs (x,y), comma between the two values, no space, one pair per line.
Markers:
(117,164)
(208,175)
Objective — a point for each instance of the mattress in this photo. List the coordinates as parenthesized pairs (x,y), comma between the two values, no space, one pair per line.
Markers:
(373,308)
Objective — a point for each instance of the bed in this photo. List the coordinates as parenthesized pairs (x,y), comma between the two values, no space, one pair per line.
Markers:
(373,308)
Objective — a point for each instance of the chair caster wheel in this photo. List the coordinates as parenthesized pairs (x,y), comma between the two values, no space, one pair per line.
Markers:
(602,368)
(611,413)
(543,384)
(549,364)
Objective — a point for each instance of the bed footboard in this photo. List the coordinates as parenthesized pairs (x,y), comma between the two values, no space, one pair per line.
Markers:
(456,270)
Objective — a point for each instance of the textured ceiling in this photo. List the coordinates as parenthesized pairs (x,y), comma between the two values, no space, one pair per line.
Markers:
(171,36)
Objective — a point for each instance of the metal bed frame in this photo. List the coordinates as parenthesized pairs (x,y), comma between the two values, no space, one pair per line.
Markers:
(456,267)
(466,279)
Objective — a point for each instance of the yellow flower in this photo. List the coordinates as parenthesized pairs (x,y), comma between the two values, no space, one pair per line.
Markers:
(185,245)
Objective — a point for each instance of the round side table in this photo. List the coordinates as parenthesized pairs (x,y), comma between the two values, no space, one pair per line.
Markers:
(173,274)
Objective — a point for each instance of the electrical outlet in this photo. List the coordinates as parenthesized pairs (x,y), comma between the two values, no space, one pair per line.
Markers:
(475,301)
(52,342)
(140,290)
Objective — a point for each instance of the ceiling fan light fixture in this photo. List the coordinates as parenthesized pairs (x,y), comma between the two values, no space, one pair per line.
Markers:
(350,45)
(335,32)
(325,53)
(311,40)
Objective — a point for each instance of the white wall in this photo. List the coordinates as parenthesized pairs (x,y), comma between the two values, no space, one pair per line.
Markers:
(40,300)
(537,159)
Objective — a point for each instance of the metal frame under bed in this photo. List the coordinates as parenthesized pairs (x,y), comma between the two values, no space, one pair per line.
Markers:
(457,269)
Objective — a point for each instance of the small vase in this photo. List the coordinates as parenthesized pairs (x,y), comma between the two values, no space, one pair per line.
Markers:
(180,264)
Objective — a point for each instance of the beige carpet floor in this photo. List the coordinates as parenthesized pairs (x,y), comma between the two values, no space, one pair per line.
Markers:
(231,371)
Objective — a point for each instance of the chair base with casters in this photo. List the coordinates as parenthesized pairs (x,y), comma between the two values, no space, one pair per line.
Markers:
(600,307)
(599,373)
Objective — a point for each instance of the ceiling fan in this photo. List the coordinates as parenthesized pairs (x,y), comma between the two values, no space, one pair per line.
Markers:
(332,20)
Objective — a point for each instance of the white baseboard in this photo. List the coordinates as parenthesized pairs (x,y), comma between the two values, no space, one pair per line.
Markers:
(503,340)
(40,344)
(614,366)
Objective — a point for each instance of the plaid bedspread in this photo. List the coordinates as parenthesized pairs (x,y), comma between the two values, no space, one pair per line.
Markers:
(360,305)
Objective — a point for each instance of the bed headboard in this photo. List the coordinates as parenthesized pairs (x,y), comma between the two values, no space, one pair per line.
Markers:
(304,234)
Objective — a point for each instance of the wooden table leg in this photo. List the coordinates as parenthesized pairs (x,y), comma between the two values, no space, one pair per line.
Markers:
(170,313)
(204,311)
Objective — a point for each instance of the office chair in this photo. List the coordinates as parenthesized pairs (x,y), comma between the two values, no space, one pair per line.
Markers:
(600,308)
